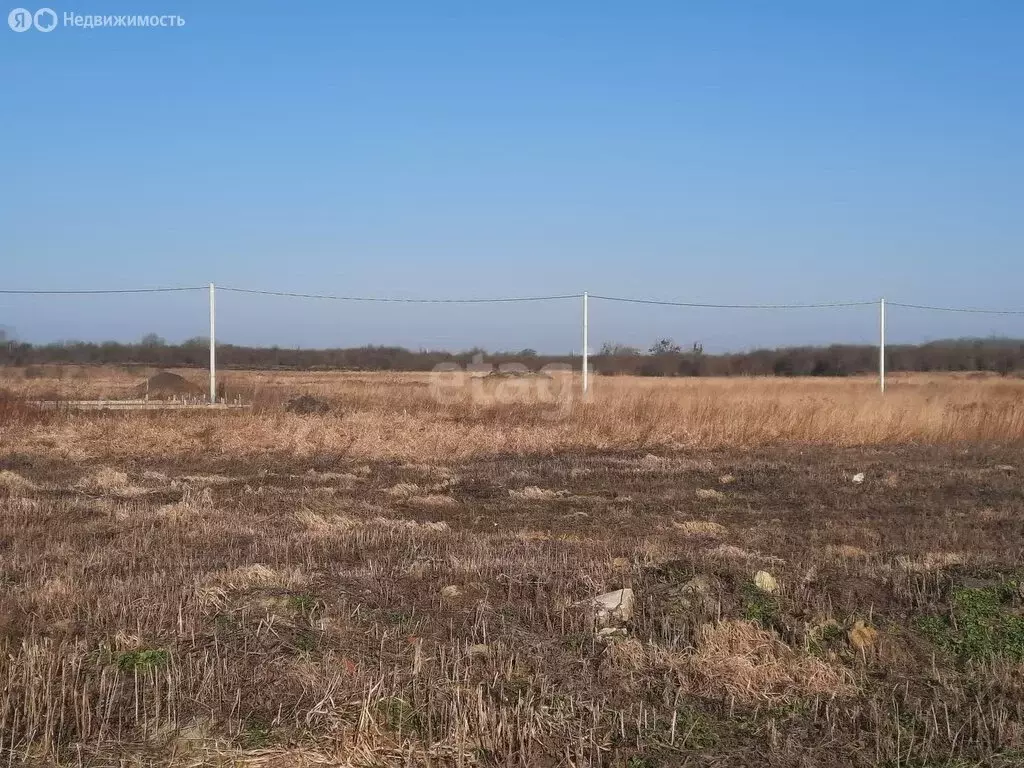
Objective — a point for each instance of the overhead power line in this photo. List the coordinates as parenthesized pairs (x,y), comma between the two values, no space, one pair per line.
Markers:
(102,291)
(736,306)
(506,299)
(394,300)
(958,309)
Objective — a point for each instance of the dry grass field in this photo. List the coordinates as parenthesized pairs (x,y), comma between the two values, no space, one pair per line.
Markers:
(819,576)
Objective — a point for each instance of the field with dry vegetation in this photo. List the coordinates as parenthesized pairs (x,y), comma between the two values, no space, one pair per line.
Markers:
(702,572)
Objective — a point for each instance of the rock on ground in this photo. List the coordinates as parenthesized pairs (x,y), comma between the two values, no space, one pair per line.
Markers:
(765,582)
(615,606)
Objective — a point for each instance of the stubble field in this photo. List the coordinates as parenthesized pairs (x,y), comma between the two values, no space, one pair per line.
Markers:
(819,576)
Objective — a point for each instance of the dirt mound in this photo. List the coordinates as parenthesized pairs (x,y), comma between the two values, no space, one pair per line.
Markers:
(167,385)
(306,405)
(517,375)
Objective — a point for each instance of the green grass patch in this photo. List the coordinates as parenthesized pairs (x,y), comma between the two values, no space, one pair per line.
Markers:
(142,659)
(695,730)
(254,736)
(982,624)
(760,607)
(828,636)
(303,603)
(398,714)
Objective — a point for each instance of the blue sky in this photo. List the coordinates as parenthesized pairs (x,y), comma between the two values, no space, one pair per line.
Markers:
(704,151)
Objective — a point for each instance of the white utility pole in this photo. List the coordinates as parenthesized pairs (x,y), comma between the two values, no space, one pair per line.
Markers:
(586,341)
(213,348)
(881,345)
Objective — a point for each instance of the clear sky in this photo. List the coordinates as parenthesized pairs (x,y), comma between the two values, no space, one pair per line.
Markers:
(701,151)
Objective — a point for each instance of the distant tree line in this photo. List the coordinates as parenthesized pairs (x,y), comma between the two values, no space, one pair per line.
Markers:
(666,358)
(663,358)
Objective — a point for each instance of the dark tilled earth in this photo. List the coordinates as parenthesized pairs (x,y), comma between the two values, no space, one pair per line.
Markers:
(419,614)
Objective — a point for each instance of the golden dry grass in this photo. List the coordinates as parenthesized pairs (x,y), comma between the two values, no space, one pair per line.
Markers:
(400,416)
(14,483)
(742,660)
(699,528)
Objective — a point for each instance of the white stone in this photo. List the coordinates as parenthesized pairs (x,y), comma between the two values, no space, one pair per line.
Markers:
(616,606)
(765,582)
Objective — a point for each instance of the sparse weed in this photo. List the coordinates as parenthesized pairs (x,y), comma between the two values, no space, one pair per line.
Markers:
(254,736)
(304,604)
(142,660)
(695,730)
(397,714)
(825,637)
(305,641)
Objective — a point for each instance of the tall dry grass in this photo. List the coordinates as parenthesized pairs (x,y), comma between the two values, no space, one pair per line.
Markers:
(383,415)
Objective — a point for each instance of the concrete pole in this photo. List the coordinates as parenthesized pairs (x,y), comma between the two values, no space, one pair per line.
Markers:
(586,342)
(881,346)
(213,347)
